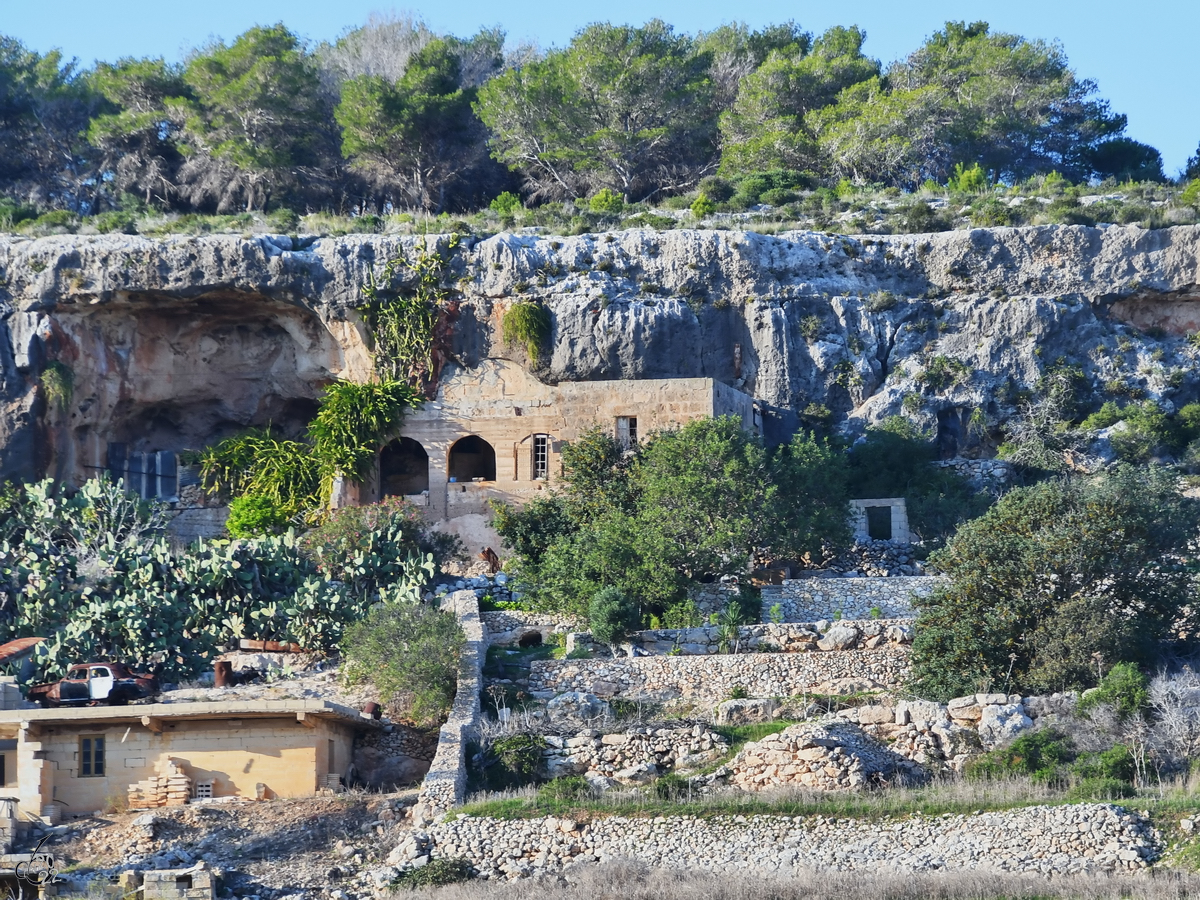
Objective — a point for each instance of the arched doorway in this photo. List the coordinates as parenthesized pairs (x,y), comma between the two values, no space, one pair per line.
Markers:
(403,468)
(472,457)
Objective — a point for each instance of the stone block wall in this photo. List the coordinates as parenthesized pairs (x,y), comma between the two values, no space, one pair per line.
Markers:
(812,599)
(445,784)
(505,628)
(1042,840)
(634,755)
(714,678)
(785,637)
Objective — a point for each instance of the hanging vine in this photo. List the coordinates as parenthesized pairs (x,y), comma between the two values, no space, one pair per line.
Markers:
(405,325)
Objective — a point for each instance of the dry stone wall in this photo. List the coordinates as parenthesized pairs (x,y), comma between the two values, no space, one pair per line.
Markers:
(812,599)
(1045,840)
(633,756)
(507,628)
(714,678)
(785,637)
(446,782)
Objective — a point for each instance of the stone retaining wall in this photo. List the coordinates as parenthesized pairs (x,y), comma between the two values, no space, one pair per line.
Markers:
(785,637)
(446,782)
(633,756)
(811,599)
(1046,840)
(713,678)
(506,627)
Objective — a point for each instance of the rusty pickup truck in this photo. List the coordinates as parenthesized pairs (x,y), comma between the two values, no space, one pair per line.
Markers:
(95,684)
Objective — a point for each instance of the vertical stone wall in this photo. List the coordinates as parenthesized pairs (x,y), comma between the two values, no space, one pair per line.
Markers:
(813,599)
(445,784)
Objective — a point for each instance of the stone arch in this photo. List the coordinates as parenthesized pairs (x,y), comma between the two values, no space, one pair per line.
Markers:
(470,458)
(403,468)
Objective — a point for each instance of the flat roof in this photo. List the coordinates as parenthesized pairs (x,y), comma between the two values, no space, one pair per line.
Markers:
(184,710)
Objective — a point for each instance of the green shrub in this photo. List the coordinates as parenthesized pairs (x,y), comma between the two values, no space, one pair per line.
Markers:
(283,220)
(1107,415)
(252,515)
(778,196)
(1191,194)
(1124,688)
(409,652)
(606,201)
(702,206)
(612,616)
(670,787)
(527,324)
(505,205)
(942,371)
(116,220)
(435,873)
(13,213)
(1100,789)
(515,761)
(1037,754)
(810,327)
(569,789)
(1113,764)
(716,188)
(881,301)
(968,181)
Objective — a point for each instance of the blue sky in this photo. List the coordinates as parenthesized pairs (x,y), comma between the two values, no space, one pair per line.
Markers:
(1142,54)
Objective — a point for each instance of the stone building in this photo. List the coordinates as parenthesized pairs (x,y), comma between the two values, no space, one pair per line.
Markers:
(496,432)
(64,762)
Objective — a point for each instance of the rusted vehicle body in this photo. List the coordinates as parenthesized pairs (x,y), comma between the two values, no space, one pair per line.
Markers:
(95,684)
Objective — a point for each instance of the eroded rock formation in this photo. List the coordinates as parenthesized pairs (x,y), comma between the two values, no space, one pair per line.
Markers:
(172,343)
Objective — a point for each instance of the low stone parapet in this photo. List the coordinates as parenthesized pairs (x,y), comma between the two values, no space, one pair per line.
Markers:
(714,678)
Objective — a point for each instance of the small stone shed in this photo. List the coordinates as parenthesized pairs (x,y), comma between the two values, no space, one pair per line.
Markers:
(72,762)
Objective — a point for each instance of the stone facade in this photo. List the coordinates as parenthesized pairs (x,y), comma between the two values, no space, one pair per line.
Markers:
(446,781)
(897,520)
(514,425)
(812,599)
(1044,840)
(271,748)
(714,678)
(992,475)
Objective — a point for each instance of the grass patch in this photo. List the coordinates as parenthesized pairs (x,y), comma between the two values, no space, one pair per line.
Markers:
(939,798)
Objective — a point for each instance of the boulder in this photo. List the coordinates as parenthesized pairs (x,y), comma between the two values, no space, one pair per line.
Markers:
(876,715)
(842,636)
(964,708)
(999,723)
(577,705)
(744,712)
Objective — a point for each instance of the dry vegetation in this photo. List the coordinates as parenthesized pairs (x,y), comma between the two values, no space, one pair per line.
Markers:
(629,881)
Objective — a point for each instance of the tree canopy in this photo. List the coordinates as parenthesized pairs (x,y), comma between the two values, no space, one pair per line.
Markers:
(394,115)
(1057,583)
(686,507)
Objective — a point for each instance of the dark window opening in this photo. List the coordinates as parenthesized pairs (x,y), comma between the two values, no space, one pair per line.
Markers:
(541,456)
(183,882)
(471,458)
(151,474)
(91,756)
(403,468)
(533,639)
(879,523)
(627,431)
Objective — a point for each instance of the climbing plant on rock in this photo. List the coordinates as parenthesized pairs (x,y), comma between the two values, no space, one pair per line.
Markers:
(404,322)
(527,324)
(353,421)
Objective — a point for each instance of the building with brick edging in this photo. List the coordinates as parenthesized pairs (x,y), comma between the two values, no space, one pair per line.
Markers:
(71,762)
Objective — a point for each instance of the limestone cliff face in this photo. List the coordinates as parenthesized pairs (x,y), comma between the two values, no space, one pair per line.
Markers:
(175,342)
